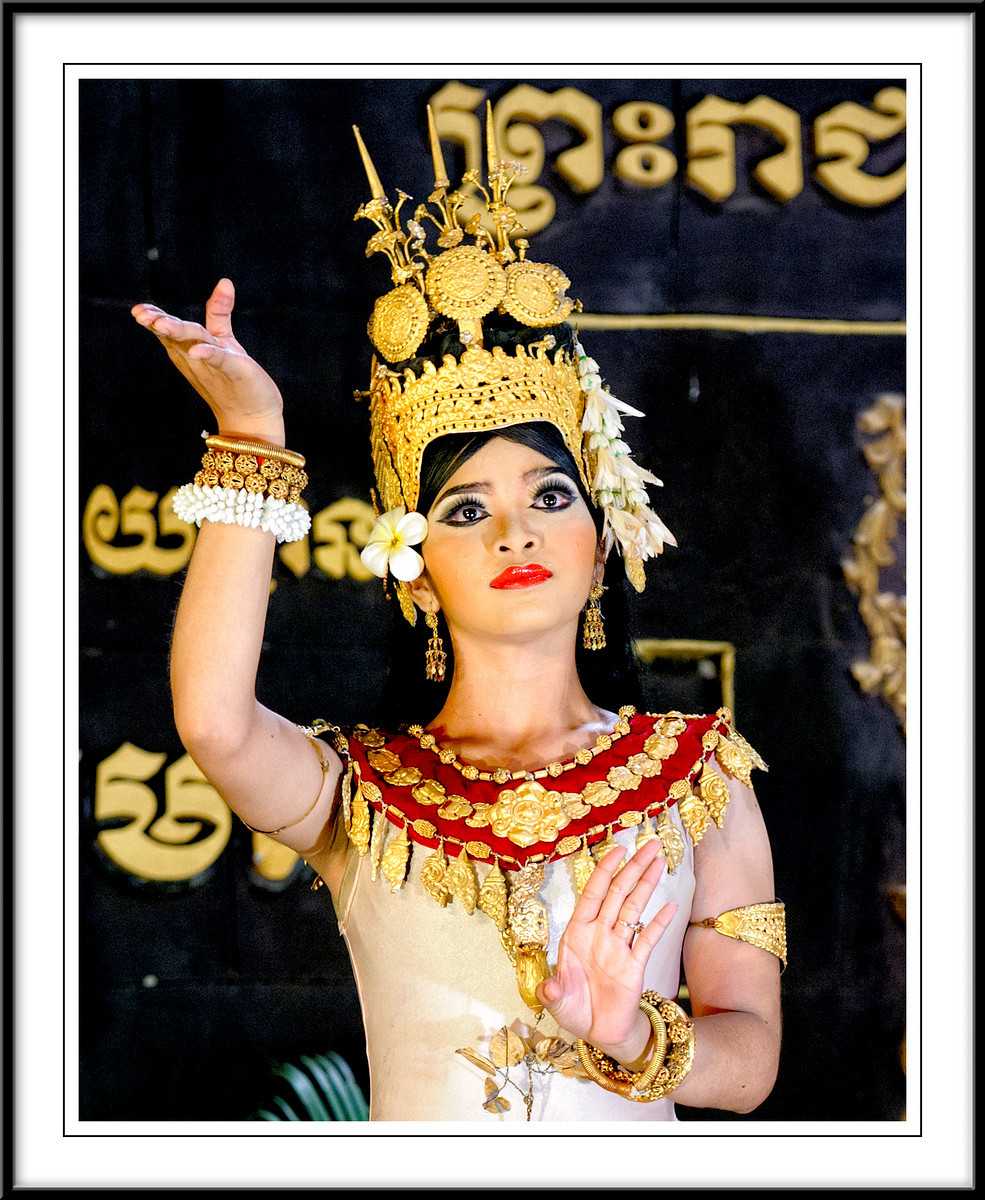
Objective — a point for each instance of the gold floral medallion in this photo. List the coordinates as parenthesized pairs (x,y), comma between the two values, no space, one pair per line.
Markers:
(535,294)
(465,283)
(399,323)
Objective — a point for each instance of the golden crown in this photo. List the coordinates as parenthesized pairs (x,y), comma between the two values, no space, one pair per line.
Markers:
(487,389)
(464,283)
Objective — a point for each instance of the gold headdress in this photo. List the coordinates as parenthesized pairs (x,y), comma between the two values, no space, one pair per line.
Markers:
(488,389)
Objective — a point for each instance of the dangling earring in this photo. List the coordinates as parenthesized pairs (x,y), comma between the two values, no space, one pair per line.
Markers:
(593,632)
(434,663)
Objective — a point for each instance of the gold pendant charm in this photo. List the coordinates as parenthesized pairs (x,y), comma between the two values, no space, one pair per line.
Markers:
(359,831)
(493,897)
(461,882)
(433,876)
(673,842)
(583,865)
(395,860)
(715,794)
(376,843)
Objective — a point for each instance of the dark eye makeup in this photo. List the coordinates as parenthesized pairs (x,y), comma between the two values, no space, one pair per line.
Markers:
(553,494)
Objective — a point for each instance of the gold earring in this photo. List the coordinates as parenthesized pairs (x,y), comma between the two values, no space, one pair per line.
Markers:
(434,663)
(593,632)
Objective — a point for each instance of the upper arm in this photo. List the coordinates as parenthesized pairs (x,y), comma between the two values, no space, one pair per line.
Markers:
(275,775)
(733,867)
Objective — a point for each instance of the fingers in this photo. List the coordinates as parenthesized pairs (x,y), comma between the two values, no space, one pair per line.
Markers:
(218,309)
(654,931)
(630,889)
(166,327)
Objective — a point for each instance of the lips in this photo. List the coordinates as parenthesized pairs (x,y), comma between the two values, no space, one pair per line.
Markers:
(521,577)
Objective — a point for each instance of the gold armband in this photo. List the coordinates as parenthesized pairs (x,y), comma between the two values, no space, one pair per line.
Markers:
(762,925)
(670,1059)
(325,763)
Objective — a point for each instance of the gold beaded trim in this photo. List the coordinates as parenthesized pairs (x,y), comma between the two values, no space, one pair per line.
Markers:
(251,466)
(554,769)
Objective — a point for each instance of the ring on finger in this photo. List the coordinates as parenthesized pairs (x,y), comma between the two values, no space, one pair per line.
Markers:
(636,927)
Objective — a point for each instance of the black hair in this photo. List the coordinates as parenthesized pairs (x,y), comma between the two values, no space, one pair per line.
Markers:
(609,676)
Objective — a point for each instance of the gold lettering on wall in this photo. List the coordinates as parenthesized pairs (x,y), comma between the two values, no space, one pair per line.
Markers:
(520,142)
(843,135)
(105,519)
(644,162)
(151,846)
(711,146)
(338,551)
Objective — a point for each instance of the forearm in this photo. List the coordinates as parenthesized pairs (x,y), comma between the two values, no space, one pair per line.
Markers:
(218,634)
(736,1055)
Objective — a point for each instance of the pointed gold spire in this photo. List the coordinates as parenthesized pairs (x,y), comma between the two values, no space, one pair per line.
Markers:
(492,151)
(374,180)
(440,171)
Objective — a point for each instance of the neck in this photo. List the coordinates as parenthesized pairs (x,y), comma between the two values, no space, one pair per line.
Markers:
(517,706)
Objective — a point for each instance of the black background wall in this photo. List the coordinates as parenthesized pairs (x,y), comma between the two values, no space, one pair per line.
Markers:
(192,984)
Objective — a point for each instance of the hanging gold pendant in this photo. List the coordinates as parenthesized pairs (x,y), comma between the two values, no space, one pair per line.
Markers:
(395,860)
(376,843)
(645,833)
(359,830)
(529,932)
(461,882)
(673,842)
(347,799)
(433,876)
(715,794)
(531,970)
(583,865)
(734,761)
(493,897)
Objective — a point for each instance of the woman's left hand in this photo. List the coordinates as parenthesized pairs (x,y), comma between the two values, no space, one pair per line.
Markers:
(594,993)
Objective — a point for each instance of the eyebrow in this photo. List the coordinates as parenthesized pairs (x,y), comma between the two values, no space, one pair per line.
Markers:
(462,489)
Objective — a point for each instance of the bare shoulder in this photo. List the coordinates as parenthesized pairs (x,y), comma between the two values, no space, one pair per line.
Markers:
(733,864)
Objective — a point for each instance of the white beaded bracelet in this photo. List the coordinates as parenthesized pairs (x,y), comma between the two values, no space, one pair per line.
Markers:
(196,503)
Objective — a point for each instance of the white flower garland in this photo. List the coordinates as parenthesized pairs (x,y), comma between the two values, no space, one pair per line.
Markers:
(619,483)
(195,503)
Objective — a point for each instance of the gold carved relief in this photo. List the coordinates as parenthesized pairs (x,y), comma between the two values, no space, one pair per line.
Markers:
(884,613)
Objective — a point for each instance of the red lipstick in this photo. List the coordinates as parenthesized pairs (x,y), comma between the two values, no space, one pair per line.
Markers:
(520,577)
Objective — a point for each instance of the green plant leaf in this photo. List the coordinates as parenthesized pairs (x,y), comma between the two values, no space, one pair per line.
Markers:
(306,1091)
(285,1108)
(338,1083)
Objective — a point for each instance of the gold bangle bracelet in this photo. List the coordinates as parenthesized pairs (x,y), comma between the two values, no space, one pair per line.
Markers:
(325,764)
(244,446)
(670,1061)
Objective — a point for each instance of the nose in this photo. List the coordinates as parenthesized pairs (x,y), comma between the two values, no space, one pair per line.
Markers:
(513,533)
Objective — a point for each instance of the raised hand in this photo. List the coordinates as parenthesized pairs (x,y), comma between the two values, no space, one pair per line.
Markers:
(594,992)
(243,397)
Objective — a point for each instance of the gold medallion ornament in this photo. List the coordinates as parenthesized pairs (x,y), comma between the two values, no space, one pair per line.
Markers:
(535,294)
(465,283)
(399,323)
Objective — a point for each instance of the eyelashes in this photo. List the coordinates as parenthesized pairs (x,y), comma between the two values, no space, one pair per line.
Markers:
(461,505)
(558,486)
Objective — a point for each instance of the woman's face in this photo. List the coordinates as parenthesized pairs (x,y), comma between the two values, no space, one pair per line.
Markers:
(511,546)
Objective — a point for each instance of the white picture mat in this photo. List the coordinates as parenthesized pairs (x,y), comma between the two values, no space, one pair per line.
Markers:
(934,1145)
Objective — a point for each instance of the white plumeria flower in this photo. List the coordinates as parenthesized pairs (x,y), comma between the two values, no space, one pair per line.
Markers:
(388,547)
